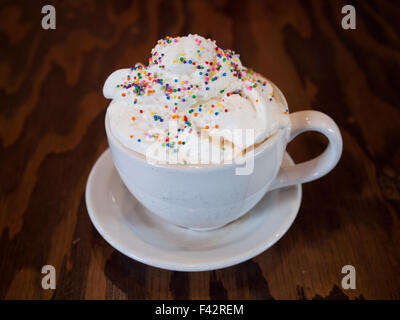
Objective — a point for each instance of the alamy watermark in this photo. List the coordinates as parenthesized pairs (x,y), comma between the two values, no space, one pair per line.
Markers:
(349,280)
(49,20)
(49,280)
(349,20)
(206,146)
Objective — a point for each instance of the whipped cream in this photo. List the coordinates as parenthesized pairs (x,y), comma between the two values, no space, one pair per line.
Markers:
(193,98)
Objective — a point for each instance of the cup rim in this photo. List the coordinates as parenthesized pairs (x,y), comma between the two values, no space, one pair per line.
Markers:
(265,145)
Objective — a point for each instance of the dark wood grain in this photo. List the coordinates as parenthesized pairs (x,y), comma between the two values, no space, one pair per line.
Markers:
(51,133)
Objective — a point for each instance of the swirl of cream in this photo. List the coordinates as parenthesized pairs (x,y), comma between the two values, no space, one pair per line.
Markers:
(200,86)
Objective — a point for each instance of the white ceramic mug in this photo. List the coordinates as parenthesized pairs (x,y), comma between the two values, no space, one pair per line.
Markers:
(210,196)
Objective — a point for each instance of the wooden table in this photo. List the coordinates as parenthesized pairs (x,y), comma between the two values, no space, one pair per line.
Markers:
(52,132)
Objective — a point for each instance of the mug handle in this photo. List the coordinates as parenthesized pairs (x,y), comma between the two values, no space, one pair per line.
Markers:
(303,121)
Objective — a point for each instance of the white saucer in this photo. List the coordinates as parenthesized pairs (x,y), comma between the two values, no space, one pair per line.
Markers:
(136,232)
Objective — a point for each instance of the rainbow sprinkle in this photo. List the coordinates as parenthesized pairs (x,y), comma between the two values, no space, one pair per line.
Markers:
(141,82)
